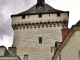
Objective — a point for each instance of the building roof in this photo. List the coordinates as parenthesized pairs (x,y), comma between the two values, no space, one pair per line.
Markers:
(32,10)
(5,51)
(47,7)
(6,54)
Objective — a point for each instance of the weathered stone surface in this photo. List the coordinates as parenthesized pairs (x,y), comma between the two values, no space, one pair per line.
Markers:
(27,40)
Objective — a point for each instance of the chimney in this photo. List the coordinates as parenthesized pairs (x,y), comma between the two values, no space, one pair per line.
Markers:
(2,50)
(64,32)
(12,50)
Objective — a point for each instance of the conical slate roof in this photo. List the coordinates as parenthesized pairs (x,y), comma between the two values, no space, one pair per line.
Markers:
(32,10)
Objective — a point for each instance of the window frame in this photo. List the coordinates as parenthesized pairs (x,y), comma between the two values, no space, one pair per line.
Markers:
(58,14)
(40,40)
(23,17)
(40,15)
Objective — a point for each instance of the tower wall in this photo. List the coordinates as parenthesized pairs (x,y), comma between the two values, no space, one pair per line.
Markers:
(36,18)
(28,31)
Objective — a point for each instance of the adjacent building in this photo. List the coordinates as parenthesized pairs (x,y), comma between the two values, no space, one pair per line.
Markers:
(8,54)
(69,49)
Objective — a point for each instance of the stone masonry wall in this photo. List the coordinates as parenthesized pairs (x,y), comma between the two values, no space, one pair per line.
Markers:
(27,40)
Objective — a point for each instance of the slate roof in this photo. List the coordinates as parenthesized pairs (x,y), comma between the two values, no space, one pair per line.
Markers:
(78,23)
(32,10)
(47,9)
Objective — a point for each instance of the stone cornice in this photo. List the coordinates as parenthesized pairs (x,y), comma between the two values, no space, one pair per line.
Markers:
(66,39)
(40,13)
(9,57)
(40,24)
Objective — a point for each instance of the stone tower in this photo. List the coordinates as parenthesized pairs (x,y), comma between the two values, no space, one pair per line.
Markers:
(37,29)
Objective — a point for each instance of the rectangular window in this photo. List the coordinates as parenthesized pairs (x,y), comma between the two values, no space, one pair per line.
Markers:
(58,14)
(52,49)
(25,57)
(28,16)
(79,54)
(59,56)
(40,40)
(23,17)
(40,15)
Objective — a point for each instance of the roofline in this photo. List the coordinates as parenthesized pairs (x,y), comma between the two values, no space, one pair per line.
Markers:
(40,13)
(65,40)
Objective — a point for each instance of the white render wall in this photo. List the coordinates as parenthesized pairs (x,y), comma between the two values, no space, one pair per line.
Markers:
(71,51)
(27,40)
(78,42)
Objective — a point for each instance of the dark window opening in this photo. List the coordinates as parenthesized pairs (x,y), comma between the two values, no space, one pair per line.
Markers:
(25,57)
(58,14)
(23,17)
(49,15)
(52,48)
(40,15)
(59,56)
(40,40)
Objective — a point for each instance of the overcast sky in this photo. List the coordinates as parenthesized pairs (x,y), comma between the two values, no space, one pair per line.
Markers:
(9,7)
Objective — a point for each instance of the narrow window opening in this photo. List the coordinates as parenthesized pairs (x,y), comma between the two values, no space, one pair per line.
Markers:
(79,54)
(40,15)
(23,17)
(40,40)
(46,25)
(52,49)
(42,26)
(38,26)
(59,56)
(25,57)
(28,16)
(58,14)
(49,15)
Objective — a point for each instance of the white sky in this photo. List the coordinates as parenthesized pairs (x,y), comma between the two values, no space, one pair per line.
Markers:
(66,5)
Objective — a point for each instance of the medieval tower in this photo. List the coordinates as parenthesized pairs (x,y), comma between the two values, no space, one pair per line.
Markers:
(36,30)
